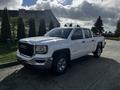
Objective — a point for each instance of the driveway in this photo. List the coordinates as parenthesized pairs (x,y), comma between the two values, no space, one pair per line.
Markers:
(86,73)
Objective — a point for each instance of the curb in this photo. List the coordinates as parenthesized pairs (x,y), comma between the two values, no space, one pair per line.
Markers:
(9,64)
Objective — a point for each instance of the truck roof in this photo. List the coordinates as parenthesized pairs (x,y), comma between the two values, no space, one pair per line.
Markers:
(71,28)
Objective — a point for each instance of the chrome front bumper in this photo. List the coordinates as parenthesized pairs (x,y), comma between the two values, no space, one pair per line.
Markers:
(37,62)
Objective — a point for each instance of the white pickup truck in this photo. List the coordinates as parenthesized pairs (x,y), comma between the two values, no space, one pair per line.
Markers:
(58,47)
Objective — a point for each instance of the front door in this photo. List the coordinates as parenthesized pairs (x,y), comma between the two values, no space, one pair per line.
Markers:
(77,44)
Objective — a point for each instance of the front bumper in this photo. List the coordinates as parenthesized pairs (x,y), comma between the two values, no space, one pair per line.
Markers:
(44,63)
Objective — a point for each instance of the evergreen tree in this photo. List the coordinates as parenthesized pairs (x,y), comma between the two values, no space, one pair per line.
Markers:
(5,26)
(13,21)
(94,30)
(51,26)
(98,26)
(32,31)
(105,34)
(20,29)
(42,28)
(117,31)
(110,32)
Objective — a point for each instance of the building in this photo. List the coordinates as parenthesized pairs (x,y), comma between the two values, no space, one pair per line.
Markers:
(37,15)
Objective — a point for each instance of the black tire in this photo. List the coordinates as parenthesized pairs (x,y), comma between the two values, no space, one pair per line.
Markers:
(57,68)
(98,51)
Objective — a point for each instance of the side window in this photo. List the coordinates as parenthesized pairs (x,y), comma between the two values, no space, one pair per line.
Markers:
(94,35)
(77,34)
(87,33)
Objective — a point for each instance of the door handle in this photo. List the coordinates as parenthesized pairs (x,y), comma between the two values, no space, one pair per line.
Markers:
(83,41)
(93,40)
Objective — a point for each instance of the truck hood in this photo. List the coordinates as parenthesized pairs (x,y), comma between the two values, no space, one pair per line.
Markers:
(41,40)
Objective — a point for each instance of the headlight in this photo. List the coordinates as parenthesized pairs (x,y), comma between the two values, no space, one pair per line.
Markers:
(41,49)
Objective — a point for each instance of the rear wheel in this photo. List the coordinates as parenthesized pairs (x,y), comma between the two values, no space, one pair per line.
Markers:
(60,64)
(98,52)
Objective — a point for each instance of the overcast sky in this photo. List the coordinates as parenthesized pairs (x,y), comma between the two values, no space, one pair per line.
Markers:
(83,12)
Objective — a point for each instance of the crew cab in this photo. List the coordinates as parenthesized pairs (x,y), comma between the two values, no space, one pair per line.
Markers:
(58,47)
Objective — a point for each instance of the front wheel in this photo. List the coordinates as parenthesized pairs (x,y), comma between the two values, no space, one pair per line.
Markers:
(60,64)
(98,52)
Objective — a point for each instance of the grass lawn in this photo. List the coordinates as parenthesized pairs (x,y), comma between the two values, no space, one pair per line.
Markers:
(7,53)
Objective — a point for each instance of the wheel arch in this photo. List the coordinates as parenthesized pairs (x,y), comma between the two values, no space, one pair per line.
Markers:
(65,50)
(100,44)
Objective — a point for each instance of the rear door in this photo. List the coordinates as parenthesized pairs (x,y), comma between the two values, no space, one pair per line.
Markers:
(90,41)
(77,44)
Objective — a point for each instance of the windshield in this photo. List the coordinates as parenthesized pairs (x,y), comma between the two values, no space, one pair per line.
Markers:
(62,33)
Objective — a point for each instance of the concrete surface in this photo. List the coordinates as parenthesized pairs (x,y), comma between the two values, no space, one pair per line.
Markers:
(86,73)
